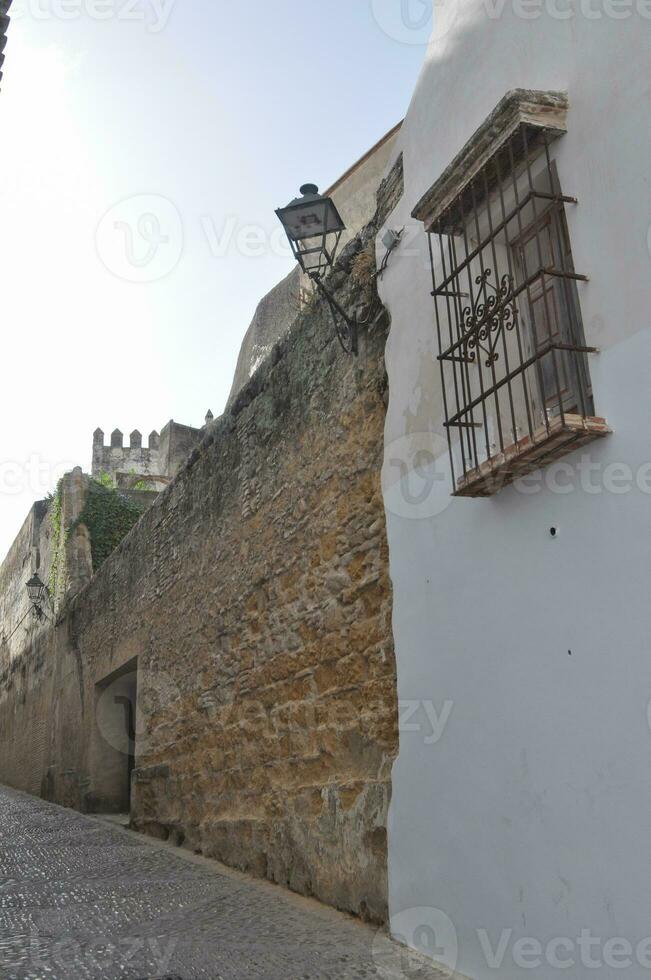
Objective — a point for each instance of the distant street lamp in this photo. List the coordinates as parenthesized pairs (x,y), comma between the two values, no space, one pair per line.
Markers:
(38,595)
(314,227)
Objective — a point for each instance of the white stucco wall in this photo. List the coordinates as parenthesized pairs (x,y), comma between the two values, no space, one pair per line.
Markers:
(529,816)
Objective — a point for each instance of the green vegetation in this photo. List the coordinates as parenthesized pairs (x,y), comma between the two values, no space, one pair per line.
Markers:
(146,483)
(109,516)
(58,539)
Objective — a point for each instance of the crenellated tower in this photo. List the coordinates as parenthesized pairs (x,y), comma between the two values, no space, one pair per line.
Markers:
(133,465)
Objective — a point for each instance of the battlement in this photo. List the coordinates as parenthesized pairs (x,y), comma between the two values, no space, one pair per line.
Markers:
(158,463)
(117,440)
(4,24)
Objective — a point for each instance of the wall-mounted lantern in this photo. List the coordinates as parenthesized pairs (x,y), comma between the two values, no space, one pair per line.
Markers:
(39,595)
(314,227)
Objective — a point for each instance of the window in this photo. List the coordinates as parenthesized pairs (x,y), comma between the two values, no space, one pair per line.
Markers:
(514,361)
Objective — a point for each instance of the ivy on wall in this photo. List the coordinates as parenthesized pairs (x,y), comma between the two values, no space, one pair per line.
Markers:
(109,516)
(57,563)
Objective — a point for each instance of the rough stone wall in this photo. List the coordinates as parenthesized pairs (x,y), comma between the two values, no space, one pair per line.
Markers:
(254,599)
(176,443)
(63,540)
(273,316)
(28,712)
(19,565)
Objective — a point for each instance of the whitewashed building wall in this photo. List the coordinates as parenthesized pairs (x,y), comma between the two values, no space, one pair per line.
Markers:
(521,814)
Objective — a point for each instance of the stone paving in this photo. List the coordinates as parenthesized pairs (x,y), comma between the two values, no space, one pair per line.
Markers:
(80,898)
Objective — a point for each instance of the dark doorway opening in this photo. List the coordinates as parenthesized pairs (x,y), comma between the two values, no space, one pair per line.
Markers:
(115,740)
(128,703)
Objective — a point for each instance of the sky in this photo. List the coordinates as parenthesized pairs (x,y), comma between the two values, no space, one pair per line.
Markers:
(144,146)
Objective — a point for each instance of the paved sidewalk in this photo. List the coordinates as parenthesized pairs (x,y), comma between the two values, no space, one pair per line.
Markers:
(80,898)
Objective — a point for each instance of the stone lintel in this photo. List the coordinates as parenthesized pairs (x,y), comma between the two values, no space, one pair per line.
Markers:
(540,111)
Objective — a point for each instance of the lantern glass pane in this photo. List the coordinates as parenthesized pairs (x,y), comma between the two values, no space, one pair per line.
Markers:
(310,218)
(306,220)
(314,259)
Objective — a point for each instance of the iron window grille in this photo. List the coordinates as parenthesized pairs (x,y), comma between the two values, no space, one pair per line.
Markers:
(513,358)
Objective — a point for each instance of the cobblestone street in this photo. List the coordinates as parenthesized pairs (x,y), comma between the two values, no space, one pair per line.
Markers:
(80,898)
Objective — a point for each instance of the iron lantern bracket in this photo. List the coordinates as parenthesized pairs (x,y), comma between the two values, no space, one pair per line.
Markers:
(39,608)
(39,612)
(348,335)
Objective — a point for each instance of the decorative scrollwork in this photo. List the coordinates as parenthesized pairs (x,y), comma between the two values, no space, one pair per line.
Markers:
(491,313)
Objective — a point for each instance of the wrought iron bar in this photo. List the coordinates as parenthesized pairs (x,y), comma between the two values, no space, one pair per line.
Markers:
(527,364)
(518,322)
(440,340)
(525,286)
(347,338)
(558,198)
(557,376)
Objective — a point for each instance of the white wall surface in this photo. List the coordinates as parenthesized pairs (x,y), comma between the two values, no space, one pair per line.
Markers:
(530,816)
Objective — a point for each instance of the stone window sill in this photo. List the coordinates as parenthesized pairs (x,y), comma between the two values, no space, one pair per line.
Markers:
(548,444)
